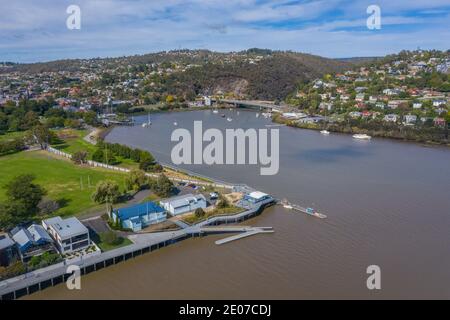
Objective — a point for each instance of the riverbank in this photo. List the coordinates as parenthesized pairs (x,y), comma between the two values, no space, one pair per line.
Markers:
(41,279)
(429,136)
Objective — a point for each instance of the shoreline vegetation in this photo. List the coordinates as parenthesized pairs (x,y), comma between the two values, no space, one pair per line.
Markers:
(429,136)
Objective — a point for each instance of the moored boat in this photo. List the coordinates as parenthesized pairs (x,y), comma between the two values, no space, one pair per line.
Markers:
(325,132)
(362,137)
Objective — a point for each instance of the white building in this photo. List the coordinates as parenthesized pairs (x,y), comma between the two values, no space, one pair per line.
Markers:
(207,101)
(437,103)
(183,204)
(391,118)
(409,119)
(294,115)
(70,234)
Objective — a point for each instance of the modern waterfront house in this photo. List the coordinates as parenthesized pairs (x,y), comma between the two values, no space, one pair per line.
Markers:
(33,241)
(139,216)
(184,203)
(256,197)
(7,250)
(70,234)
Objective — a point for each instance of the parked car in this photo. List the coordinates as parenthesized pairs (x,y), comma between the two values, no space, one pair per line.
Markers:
(213,195)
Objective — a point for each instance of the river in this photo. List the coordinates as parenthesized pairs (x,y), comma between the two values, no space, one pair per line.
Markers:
(387,203)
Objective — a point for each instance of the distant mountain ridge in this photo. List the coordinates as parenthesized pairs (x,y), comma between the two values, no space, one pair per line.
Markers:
(254,73)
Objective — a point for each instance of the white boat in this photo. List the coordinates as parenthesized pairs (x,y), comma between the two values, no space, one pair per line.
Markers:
(175,123)
(148,123)
(215,111)
(325,132)
(257,115)
(288,206)
(229,119)
(362,137)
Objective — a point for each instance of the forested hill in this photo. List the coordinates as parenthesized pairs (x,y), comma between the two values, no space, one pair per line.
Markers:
(254,73)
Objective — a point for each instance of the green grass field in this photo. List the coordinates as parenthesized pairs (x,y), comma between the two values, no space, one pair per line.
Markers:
(64,181)
(75,142)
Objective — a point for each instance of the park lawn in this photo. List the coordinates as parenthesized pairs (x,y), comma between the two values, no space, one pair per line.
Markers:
(73,141)
(65,182)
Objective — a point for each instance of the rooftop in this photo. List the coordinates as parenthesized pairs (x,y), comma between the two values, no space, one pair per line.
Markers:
(138,210)
(184,200)
(258,195)
(66,227)
(5,241)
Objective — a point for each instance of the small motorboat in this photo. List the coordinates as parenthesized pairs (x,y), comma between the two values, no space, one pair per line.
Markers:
(325,132)
(175,123)
(215,111)
(362,137)
(229,119)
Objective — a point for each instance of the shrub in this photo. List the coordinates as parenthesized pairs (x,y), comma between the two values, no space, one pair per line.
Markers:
(199,213)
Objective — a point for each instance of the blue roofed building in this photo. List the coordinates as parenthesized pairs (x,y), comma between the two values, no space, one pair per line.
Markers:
(33,241)
(139,216)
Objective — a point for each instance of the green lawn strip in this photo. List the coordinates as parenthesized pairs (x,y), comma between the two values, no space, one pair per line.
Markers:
(107,247)
(65,182)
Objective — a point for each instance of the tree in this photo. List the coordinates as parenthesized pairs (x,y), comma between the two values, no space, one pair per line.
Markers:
(199,213)
(98,155)
(163,187)
(106,192)
(41,135)
(146,162)
(79,157)
(135,180)
(170,99)
(22,190)
(222,202)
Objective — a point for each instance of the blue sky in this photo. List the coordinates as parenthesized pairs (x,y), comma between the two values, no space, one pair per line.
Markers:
(33,31)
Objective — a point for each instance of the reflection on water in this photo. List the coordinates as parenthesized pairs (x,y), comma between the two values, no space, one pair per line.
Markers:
(387,204)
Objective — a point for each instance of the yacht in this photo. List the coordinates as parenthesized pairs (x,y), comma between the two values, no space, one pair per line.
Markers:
(148,123)
(362,136)
(325,132)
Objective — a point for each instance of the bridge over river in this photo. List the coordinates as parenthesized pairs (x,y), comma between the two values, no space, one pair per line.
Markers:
(251,104)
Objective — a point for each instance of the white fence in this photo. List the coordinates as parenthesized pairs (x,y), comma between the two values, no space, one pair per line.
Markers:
(152,175)
(59,152)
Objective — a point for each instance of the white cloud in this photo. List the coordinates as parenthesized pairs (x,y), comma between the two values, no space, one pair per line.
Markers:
(31,30)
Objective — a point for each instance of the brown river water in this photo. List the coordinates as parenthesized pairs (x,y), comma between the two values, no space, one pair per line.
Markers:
(387,203)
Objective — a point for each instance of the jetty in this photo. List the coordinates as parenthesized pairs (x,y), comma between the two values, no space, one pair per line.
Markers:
(309,211)
(250,231)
